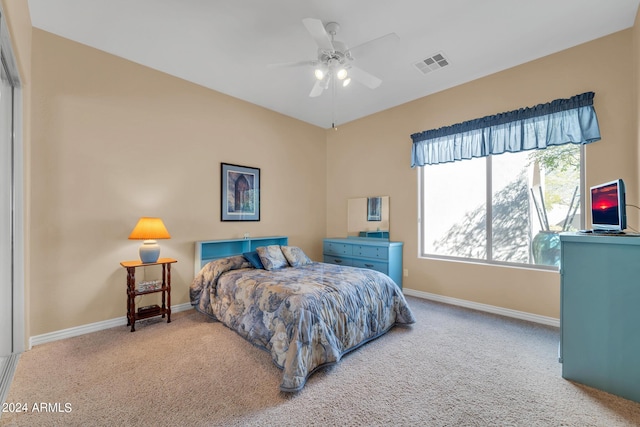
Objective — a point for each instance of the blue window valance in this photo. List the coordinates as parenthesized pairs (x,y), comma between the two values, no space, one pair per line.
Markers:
(562,121)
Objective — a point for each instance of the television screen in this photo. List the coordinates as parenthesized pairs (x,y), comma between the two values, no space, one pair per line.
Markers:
(608,206)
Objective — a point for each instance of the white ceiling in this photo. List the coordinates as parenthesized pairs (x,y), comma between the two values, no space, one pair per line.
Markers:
(226,45)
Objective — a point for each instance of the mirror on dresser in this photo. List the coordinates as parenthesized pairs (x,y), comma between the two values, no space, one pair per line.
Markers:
(368,217)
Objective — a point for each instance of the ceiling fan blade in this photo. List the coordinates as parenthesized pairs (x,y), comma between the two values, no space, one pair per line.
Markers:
(382,44)
(367,79)
(293,64)
(319,34)
(317,89)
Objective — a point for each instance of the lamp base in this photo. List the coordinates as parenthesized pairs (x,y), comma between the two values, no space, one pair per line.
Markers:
(149,251)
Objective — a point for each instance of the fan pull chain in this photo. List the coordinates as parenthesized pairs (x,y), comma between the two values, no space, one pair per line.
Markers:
(333,105)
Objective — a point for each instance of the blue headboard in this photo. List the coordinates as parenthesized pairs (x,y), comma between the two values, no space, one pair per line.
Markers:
(208,250)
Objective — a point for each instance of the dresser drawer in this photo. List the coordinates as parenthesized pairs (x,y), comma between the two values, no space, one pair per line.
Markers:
(332,259)
(371,251)
(364,252)
(382,267)
(335,248)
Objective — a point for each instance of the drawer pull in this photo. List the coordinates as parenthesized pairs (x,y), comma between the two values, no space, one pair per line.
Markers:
(369,265)
(337,261)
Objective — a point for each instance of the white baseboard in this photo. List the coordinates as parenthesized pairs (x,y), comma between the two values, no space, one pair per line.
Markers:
(91,327)
(120,321)
(522,315)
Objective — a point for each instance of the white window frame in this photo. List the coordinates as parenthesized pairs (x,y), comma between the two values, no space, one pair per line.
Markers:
(488,189)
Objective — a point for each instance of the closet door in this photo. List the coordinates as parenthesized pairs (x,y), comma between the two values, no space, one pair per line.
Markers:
(6,214)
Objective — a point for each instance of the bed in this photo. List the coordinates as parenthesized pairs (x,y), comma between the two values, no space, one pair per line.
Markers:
(305,314)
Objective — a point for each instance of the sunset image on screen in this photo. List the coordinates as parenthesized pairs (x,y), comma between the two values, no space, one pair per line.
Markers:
(604,204)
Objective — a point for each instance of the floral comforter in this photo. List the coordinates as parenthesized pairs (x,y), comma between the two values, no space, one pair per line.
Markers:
(307,316)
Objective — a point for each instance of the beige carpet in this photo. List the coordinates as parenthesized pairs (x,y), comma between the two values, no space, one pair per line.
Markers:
(454,367)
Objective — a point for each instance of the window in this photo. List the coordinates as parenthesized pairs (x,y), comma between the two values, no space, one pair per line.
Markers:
(504,209)
(498,189)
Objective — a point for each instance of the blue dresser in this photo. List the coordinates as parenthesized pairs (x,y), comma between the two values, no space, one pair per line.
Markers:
(376,254)
(600,312)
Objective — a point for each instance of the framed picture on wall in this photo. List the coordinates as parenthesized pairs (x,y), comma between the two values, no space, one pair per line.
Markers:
(240,193)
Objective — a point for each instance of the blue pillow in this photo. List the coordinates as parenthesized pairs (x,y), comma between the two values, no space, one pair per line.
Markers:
(254,259)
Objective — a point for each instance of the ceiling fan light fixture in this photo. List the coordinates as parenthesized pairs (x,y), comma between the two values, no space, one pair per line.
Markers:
(346,82)
(319,73)
(341,74)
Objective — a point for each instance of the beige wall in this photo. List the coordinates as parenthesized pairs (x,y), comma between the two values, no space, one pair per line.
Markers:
(113,141)
(635,31)
(372,156)
(110,141)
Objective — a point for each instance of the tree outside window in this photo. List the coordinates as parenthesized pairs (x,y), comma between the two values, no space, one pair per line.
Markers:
(506,208)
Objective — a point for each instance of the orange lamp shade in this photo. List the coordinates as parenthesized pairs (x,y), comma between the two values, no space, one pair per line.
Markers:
(149,228)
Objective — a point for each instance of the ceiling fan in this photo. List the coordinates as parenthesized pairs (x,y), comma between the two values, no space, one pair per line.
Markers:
(335,59)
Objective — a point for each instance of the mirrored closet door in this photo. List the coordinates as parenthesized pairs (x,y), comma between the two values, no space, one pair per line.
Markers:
(6,209)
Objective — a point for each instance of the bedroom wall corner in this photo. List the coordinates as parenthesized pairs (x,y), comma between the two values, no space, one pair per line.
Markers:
(386,170)
(635,35)
(113,141)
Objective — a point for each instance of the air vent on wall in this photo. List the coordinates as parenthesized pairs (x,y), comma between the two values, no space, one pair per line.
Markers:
(432,63)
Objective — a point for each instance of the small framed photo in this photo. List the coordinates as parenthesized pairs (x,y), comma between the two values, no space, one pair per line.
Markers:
(240,193)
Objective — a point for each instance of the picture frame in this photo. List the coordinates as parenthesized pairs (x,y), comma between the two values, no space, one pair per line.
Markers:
(240,193)
(374,208)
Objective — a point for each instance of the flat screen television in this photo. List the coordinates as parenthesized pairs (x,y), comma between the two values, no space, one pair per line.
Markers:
(608,207)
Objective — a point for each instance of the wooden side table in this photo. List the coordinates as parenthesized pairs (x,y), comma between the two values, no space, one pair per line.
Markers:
(132,292)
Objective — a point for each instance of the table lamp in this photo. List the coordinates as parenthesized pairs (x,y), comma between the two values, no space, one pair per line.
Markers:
(149,229)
